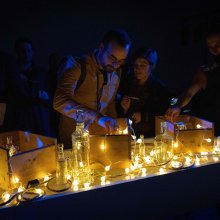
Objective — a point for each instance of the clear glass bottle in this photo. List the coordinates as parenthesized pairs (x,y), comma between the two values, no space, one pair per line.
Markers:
(142,147)
(80,149)
(61,169)
(163,146)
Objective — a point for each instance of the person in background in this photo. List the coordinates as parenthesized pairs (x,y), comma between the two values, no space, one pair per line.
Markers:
(28,100)
(94,93)
(145,95)
(203,92)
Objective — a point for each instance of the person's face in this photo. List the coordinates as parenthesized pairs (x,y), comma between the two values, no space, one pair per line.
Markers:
(141,69)
(25,53)
(113,56)
(213,43)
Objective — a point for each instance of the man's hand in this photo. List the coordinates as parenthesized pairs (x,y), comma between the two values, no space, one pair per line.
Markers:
(173,113)
(125,103)
(110,124)
(136,117)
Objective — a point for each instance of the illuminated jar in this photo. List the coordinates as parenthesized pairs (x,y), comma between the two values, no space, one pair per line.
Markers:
(163,146)
(80,150)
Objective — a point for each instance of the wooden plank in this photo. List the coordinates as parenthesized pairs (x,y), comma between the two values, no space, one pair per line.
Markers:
(4,169)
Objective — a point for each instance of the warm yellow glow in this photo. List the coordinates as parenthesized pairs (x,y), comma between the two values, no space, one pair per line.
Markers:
(162,171)
(125,131)
(188,160)
(147,159)
(133,137)
(175,157)
(5,196)
(152,153)
(75,182)
(16,180)
(127,170)
(39,191)
(175,145)
(132,168)
(103,179)
(103,183)
(139,166)
(81,164)
(107,168)
(132,176)
(197,161)
(120,131)
(198,126)
(136,158)
(75,188)
(209,140)
(176,164)
(204,153)
(46,178)
(108,182)
(215,159)
(68,176)
(103,147)
(143,170)
(86,185)
(139,141)
(21,189)
(127,177)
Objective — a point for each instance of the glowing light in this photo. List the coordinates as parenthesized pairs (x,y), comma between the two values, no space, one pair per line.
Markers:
(5,196)
(46,178)
(143,170)
(198,126)
(147,159)
(75,182)
(215,159)
(204,153)
(68,176)
(120,132)
(162,171)
(133,137)
(125,131)
(39,191)
(139,141)
(139,166)
(86,185)
(16,180)
(175,157)
(187,160)
(130,122)
(136,158)
(107,168)
(197,161)
(209,140)
(132,168)
(103,179)
(21,189)
(75,188)
(127,177)
(175,145)
(132,176)
(176,164)
(103,147)
(127,170)
(152,153)
(81,164)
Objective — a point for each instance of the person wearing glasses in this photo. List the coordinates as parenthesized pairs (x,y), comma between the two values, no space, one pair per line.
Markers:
(203,91)
(145,95)
(96,93)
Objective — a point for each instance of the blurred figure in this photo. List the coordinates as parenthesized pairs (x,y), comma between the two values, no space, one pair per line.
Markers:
(90,84)
(205,87)
(28,100)
(145,95)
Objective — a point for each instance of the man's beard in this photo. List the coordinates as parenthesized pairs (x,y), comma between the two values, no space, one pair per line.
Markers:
(109,69)
(216,58)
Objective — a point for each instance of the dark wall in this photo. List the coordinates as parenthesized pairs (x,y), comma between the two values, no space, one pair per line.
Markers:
(174,29)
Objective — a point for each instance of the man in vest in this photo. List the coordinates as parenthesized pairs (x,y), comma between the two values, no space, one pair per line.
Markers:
(96,93)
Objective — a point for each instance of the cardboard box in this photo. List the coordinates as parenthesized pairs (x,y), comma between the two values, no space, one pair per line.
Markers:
(36,158)
(191,134)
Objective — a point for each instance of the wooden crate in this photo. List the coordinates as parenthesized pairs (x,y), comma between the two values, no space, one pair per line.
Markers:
(36,158)
(114,149)
(197,137)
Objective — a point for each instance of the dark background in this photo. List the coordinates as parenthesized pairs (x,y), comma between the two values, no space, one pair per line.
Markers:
(173,28)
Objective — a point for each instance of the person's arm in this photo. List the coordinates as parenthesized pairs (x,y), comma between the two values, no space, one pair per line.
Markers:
(63,99)
(199,83)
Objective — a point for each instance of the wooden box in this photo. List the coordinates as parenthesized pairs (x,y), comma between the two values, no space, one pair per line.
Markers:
(111,149)
(36,158)
(191,134)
